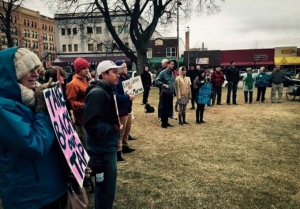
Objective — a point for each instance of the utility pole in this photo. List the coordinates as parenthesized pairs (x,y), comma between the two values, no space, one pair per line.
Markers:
(177,54)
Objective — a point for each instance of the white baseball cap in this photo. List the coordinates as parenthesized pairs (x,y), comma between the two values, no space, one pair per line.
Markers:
(107,65)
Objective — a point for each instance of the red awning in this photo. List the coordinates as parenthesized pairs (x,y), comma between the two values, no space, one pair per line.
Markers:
(249,63)
(91,60)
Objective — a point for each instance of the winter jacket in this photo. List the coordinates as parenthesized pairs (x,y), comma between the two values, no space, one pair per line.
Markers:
(100,116)
(166,77)
(146,79)
(277,77)
(33,170)
(217,78)
(192,74)
(75,95)
(262,80)
(123,100)
(182,87)
(232,75)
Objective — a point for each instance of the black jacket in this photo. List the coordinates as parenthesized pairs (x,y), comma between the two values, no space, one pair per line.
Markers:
(192,74)
(100,116)
(232,75)
(146,78)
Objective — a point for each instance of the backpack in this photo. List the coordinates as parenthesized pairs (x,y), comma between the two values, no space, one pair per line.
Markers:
(149,108)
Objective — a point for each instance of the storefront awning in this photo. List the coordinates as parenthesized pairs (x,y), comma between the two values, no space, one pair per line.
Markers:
(157,60)
(287,60)
(258,63)
(91,60)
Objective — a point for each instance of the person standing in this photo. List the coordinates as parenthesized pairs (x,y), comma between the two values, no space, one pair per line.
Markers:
(146,80)
(248,85)
(103,131)
(124,102)
(75,92)
(33,168)
(277,78)
(164,65)
(166,80)
(192,74)
(198,83)
(183,94)
(262,81)
(217,79)
(233,77)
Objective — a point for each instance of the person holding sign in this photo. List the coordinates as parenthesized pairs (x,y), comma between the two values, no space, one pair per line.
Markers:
(198,83)
(33,168)
(183,93)
(124,102)
(103,131)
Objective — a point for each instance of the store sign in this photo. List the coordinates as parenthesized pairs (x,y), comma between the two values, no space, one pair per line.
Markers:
(286,51)
(201,61)
(261,57)
(158,42)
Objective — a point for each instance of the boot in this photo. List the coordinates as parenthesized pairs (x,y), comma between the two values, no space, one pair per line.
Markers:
(119,157)
(201,117)
(126,149)
(197,118)
(180,121)
(183,119)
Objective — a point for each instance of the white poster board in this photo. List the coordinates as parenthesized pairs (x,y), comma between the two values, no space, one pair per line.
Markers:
(133,86)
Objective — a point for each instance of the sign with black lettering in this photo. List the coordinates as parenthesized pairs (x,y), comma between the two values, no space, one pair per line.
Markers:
(68,139)
(261,57)
(133,86)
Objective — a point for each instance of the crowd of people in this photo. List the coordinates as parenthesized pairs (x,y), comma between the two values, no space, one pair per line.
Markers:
(33,169)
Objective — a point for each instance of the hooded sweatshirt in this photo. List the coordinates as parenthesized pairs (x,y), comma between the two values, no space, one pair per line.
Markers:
(33,170)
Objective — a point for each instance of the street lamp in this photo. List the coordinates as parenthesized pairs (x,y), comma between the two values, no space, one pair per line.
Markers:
(177,55)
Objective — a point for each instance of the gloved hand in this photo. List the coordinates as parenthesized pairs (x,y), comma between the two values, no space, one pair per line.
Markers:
(40,103)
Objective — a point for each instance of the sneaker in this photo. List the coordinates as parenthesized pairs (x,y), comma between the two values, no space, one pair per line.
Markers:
(127,150)
(168,124)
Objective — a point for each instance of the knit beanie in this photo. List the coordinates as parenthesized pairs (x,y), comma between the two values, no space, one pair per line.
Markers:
(80,63)
(119,62)
(25,61)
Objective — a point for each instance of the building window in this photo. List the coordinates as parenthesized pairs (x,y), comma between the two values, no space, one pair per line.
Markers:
(126,30)
(32,24)
(100,47)
(171,52)
(15,20)
(89,30)
(74,31)
(64,48)
(45,27)
(24,22)
(98,30)
(32,34)
(120,29)
(27,22)
(75,48)
(90,47)
(35,24)
(70,47)
(149,53)
(63,31)
(68,31)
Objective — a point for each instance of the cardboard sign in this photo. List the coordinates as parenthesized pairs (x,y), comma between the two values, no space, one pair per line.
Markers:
(133,86)
(68,139)
(204,94)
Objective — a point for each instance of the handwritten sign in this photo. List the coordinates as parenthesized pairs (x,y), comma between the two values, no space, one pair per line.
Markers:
(204,94)
(133,86)
(68,139)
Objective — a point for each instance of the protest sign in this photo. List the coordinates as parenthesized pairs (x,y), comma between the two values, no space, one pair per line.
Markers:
(133,86)
(68,139)
(204,94)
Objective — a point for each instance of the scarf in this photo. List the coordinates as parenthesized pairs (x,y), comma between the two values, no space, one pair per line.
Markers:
(249,81)
(27,95)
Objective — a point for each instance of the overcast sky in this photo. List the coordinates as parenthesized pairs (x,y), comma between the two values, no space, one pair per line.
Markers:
(241,24)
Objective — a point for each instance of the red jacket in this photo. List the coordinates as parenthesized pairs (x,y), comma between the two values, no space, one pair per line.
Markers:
(76,94)
(217,78)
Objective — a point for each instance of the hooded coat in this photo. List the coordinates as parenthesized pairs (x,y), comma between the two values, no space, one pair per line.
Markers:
(33,170)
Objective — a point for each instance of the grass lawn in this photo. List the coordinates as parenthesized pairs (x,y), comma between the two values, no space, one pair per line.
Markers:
(245,156)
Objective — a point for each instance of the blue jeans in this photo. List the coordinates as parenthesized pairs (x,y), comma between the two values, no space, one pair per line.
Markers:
(231,87)
(105,194)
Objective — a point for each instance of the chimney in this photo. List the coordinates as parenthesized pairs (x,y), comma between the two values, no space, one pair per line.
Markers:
(187,39)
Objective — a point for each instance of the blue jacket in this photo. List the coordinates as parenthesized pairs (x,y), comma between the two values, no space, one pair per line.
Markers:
(124,103)
(166,77)
(33,170)
(262,80)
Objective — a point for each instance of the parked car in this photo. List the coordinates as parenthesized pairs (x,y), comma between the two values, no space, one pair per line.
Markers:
(242,74)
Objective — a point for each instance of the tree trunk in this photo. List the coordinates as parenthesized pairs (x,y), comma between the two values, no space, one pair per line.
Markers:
(142,61)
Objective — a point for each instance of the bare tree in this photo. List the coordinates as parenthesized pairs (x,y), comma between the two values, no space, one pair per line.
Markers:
(154,11)
(9,7)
